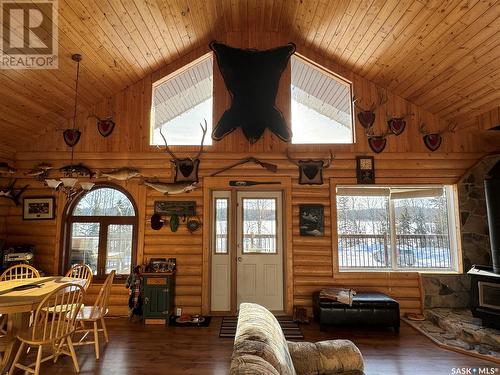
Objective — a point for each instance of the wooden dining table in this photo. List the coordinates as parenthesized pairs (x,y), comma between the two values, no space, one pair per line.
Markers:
(19,303)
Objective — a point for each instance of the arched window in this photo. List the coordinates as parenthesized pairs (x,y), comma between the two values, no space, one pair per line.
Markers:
(101,231)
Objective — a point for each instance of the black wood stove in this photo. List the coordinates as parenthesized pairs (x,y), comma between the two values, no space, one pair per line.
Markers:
(485,281)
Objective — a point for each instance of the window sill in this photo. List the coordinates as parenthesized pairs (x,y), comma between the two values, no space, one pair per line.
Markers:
(418,270)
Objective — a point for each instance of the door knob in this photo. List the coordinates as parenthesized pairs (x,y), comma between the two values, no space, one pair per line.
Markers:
(239,259)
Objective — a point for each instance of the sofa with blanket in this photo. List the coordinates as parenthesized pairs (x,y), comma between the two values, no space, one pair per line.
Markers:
(260,347)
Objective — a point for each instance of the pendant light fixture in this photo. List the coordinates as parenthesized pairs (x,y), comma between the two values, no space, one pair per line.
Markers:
(70,184)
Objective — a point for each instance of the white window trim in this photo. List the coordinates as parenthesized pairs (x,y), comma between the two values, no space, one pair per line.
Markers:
(454,234)
(338,78)
(166,78)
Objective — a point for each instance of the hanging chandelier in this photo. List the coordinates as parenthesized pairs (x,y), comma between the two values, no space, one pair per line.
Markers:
(70,183)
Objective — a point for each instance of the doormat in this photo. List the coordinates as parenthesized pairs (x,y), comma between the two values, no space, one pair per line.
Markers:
(291,329)
(174,323)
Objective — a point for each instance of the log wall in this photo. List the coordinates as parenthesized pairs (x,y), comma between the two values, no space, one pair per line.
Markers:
(405,161)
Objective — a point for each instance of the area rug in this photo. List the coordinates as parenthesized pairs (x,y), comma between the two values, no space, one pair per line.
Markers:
(174,323)
(458,331)
(291,329)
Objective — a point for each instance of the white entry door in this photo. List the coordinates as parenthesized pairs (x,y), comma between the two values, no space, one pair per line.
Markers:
(259,248)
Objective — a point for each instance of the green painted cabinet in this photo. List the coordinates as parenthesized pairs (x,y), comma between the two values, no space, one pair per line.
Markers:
(159,294)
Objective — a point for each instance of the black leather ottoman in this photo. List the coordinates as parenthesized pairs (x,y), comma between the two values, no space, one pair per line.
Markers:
(368,309)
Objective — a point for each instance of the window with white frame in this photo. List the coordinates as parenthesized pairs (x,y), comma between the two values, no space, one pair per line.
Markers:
(182,101)
(321,105)
(396,228)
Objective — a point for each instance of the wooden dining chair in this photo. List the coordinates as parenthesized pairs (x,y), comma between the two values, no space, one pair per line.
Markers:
(53,330)
(81,271)
(18,272)
(94,314)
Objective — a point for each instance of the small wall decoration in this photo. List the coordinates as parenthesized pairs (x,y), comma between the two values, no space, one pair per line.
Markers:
(186,169)
(157,222)
(105,126)
(174,223)
(311,171)
(270,167)
(365,169)
(71,136)
(120,174)
(10,192)
(168,188)
(38,208)
(433,140)
(377,143)
(397,125)
(366,116)
(252,78)
(80,169)
(311,220)
(40,171)
(193,224)
(181,208)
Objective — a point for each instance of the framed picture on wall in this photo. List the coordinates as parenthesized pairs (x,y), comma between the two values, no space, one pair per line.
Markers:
(38,208)
(312,220)
(365,169)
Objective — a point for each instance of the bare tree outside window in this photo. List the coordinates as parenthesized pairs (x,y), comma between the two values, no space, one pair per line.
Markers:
(259,225)
(405,228)
(102,231)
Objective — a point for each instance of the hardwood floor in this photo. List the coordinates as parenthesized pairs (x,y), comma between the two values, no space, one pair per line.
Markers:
(138,349)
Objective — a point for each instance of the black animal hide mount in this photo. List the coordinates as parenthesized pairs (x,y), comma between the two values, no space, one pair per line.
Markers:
(252,78)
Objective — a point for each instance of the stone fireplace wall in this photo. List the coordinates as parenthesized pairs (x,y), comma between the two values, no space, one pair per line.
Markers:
(450,290)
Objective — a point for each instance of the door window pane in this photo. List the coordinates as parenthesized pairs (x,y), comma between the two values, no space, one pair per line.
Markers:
(85,244)
(119,249)
(259,225)
(221,225)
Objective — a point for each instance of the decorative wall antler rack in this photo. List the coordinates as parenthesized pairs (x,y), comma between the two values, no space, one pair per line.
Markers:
(105,126)
(311,171)
(186,169)
(433,140)
(367,115)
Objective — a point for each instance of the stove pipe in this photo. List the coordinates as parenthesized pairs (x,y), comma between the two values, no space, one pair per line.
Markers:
(492,193)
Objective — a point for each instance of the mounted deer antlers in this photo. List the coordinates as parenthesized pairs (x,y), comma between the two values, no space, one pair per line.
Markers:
(105,126)
(311,171)
(433,140)
(367,116)
(186,169)
(377,142)
(397,124)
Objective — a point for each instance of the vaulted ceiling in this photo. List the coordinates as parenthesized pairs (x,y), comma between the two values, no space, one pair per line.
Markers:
(442,55)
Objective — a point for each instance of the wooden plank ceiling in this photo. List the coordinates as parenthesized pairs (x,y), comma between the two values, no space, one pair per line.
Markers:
(442,55)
